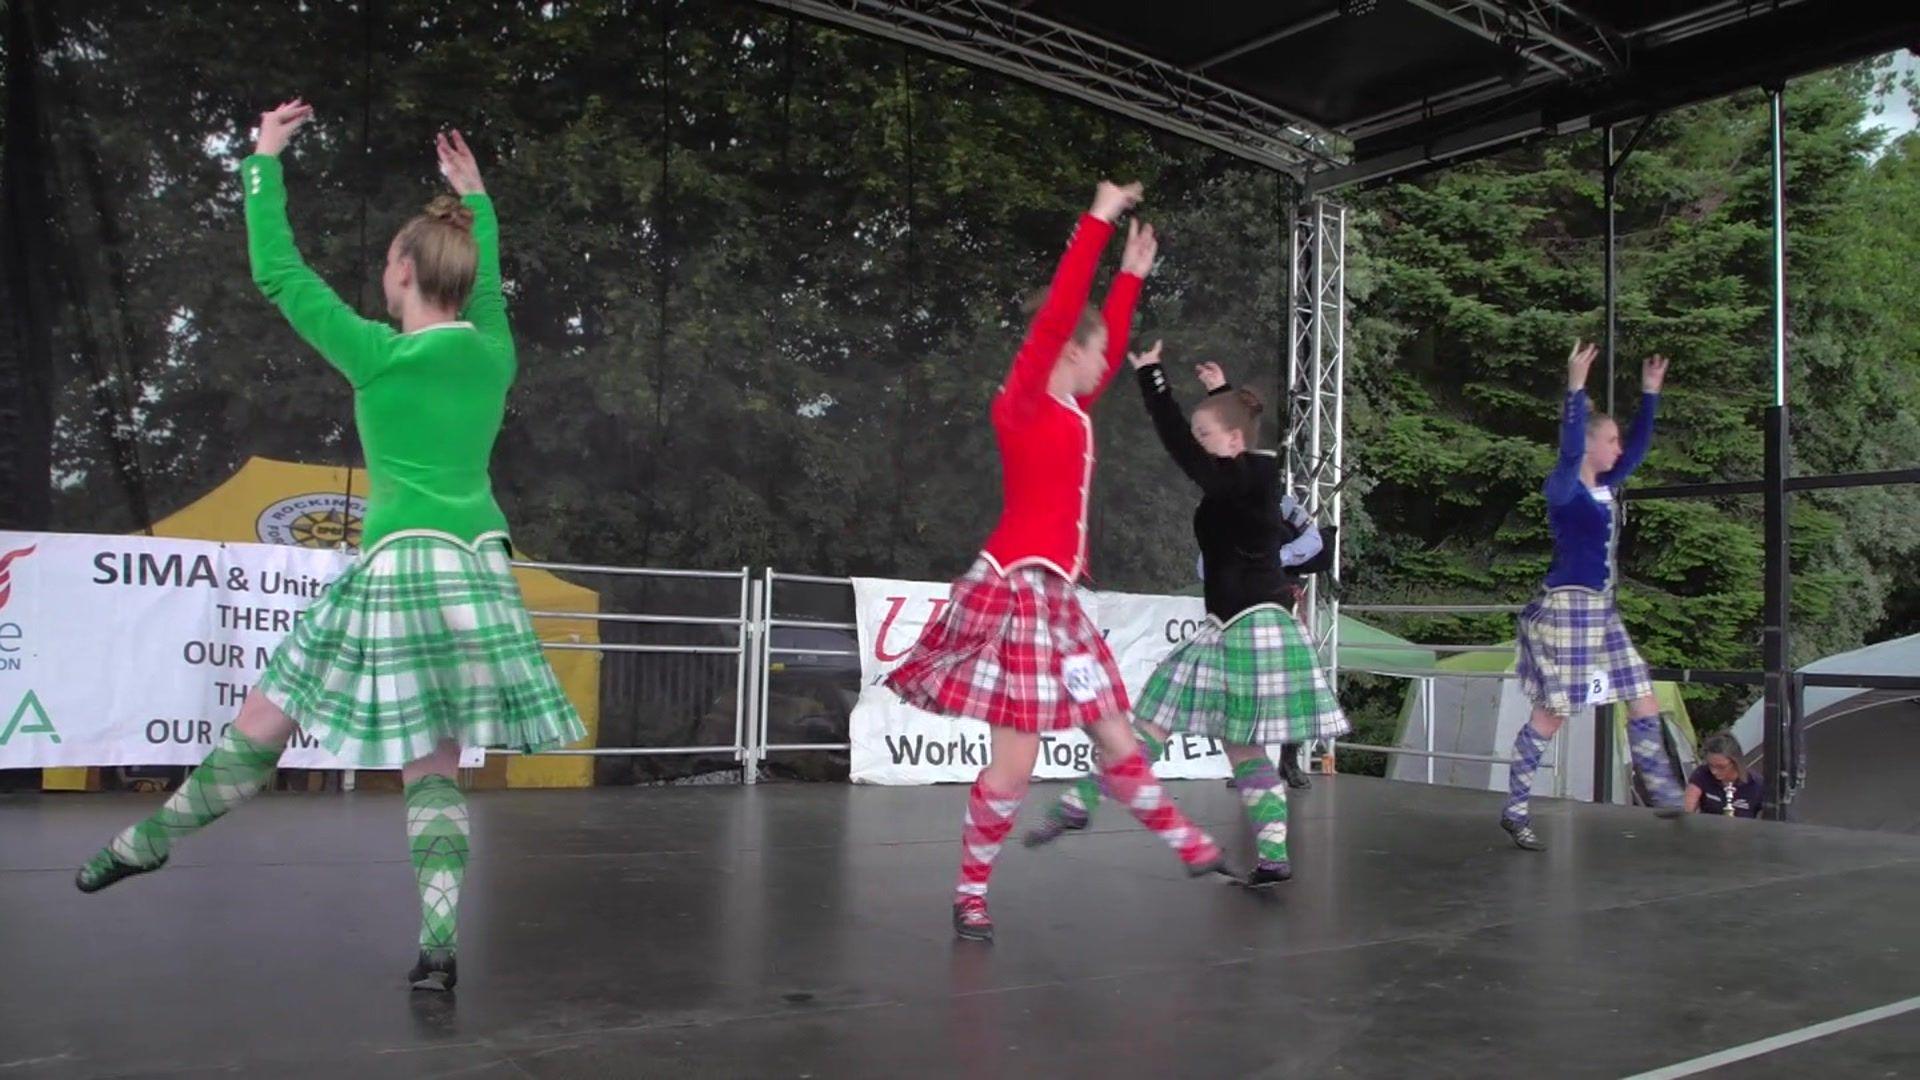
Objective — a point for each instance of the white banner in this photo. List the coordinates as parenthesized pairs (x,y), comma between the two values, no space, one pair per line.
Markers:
(127,650)
(894,743)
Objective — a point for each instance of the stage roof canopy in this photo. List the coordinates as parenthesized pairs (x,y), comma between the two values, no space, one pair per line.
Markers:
(1337,92)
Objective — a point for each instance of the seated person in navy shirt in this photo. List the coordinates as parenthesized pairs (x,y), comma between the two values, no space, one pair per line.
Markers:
(1723,785)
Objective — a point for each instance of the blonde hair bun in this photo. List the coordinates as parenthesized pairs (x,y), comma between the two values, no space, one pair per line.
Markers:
(449,210)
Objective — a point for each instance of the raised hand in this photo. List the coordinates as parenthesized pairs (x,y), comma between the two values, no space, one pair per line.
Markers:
(1110,200)
(1653,374)
(278,124)
(457,163)
(1210,375)
(1578,362)
(1142,246)
(1142,359)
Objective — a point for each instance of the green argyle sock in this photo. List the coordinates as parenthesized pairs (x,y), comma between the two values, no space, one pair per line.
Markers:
(232,773)
(437,837)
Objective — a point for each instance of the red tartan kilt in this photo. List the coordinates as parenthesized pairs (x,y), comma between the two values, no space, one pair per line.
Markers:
(1003,651)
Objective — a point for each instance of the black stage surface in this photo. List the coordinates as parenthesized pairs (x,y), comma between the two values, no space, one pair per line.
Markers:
(802,930)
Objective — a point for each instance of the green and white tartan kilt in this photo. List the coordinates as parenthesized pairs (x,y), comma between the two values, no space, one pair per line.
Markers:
(1254,681)
(423,640)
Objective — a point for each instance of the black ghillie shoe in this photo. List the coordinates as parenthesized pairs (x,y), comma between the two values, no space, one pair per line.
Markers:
(1295,776)
(1523,835)
(1268,874)
(971,920)
(435,970)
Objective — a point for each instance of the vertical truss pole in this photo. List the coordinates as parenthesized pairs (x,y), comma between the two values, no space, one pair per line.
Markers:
(1316,373)
(1313,448)
(1610,190)
(1299,321)
(1779,753)
(1333,387)
(1299,361)
(1609,180)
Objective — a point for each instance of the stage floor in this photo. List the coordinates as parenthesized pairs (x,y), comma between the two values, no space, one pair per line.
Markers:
(802,931)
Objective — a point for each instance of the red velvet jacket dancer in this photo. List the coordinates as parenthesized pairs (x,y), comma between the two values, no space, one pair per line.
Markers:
(1014,648)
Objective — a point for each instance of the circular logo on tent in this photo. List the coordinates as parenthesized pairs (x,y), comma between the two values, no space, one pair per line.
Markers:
(324,519)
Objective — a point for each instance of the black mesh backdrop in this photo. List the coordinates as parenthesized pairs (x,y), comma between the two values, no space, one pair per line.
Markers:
(763,275)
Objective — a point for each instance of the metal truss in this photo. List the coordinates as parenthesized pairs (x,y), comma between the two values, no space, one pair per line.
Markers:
(1548,36)
(1004,38)
(1553,41)
(1452,100)
(1707,19)
(1312,448)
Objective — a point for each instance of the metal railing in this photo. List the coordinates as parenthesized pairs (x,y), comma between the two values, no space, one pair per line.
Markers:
(757,658)
(1553,762)
(1424,677)
(1436,609)
(756,653)
(768,622)
(744,624)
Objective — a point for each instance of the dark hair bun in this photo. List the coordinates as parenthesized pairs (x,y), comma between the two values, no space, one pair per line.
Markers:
(449,210)
(1250,401)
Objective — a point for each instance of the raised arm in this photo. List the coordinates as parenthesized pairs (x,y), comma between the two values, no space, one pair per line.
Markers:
(1216,476)
(350,343)
(1564,482)
(1066,298)
(486,307)
(1653,375)
(1135,264)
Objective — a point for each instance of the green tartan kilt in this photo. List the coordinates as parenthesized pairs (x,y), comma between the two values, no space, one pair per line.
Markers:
(424,640)
(1253,681)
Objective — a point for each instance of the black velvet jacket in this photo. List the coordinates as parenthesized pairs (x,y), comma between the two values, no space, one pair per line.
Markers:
(1238,522)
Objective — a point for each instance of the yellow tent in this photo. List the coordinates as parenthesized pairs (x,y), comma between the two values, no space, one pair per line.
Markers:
(281,502)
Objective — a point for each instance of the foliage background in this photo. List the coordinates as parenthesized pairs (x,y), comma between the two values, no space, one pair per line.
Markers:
(765,275)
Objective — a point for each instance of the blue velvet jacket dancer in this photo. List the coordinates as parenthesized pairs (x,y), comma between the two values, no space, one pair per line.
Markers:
(1574,652)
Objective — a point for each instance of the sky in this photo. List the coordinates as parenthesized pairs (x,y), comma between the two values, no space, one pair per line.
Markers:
(1899,117)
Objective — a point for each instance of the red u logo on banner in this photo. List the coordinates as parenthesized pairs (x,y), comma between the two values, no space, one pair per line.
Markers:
(6,575)
(894,604)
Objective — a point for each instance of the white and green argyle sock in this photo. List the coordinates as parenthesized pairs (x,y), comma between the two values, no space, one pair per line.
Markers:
(437,837)
(235,771)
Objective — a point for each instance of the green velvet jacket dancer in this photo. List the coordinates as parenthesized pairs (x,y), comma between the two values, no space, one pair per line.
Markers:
(424,645)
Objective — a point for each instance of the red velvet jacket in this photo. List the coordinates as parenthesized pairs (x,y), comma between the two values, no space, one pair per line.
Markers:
(1046,443)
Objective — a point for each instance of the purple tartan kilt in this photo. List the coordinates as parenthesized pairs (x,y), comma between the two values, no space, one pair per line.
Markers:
(1573,649)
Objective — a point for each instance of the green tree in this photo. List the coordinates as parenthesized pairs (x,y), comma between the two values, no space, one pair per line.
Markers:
(1483,274)
(766,275)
